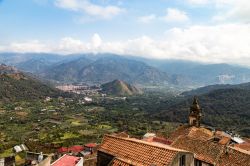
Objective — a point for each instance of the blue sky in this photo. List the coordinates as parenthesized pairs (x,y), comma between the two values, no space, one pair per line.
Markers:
(204,30)
(41,19)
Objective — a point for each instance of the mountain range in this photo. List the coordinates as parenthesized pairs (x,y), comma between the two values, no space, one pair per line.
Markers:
(101,68)
(106,69)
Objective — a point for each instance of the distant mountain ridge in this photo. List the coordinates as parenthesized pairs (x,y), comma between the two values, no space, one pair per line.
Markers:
(106,69)
(206,74)
(207,89)
(101,68)
(119,88)
(66,71)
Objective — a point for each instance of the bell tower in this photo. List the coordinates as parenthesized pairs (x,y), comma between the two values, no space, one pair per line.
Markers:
(194,118)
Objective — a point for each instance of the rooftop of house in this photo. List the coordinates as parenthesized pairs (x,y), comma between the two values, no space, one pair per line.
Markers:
(158,140)
(200,133)
(207,151)
(137,151)
(244,146)
(66,160)
(121,162)
(90,145)
(214,147)
(234,157)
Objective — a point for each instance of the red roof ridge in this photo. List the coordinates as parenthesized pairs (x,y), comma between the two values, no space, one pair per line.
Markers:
(240,150)
(162,146)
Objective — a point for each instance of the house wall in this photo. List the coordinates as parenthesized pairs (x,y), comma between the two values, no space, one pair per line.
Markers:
(205,164)
(189,160)
(80,163)
(103,158)
(201,163)
(1,162)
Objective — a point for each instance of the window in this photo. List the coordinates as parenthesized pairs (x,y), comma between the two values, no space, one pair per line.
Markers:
(182,161)
(197,162)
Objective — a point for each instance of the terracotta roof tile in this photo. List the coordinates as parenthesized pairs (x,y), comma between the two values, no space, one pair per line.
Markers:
(200,141)
(193,132)
(138,151)
(66,160)
(244,146)
(235,157)
(204,150)
(157,140)
(181,130)
(122,162)
(91,145)
(224,140)
(200,133)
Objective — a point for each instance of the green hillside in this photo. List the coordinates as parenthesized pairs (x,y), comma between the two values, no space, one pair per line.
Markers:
(15,85)
(119,88)
(228,109)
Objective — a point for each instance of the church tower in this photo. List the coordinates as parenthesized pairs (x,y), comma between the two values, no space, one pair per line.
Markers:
(194,117)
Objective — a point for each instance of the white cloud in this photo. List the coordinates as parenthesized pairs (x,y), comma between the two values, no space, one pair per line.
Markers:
(91,9)
(147,19)
(96,40)
(227,10)
(175,15)
(222,43)
(233,10)
(27,46)
(69,45)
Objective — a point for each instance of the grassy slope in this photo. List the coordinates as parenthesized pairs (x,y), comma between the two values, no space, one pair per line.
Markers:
(118,87)
(20,87)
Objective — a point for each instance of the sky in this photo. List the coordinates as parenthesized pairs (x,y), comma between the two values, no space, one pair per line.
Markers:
(213,31)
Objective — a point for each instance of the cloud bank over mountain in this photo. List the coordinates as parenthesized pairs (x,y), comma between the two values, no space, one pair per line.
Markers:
(200,30)
(222,43)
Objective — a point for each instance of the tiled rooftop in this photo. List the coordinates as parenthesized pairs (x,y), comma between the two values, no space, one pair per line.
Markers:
(121,162)
(211,148)
(203,150)
(137,151)
(193,132)
(244,146)
(235,157)
(66,160)
(181,130)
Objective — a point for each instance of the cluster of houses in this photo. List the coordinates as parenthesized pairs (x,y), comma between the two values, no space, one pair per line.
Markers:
(189,145)
(80,89)
(64,156)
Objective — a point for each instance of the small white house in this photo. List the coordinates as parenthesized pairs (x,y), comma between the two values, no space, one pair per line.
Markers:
(20,148)
(2,162)
(148,135)
(88,99)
